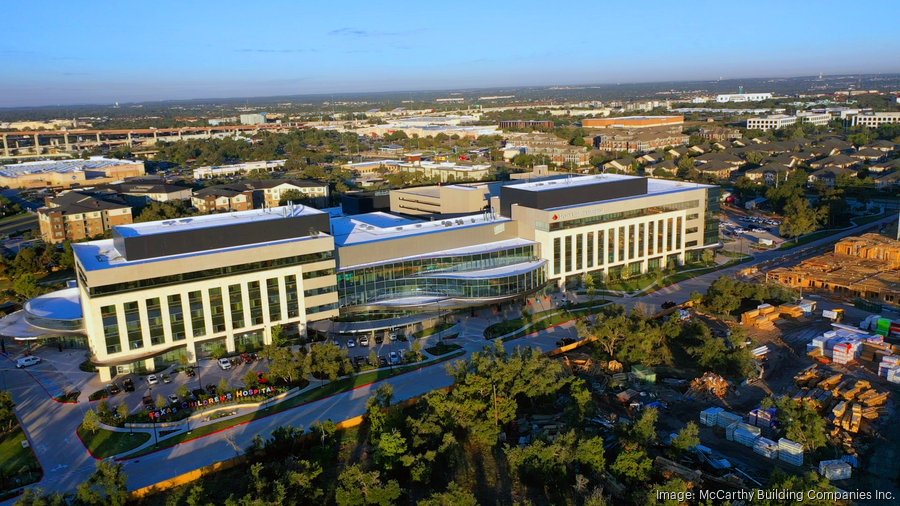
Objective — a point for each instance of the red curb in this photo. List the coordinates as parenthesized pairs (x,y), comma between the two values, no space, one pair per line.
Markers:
(86,446)
(265,415)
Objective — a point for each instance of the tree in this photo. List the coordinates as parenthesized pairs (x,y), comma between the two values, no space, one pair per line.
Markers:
(223,386)
(328,361)
(161,399)
(251,380)
(287,365)
(688,437)
(183,391)
(800,484)
(801,423)
(455,495)
(158,211)
(643,431)
(292,195)
(633,466)
(589,285)
(799,218)
(26,286)
(708,256)
(91,421)
(359,488)
(389,448)
(107,486)
(7,412)
(123,411)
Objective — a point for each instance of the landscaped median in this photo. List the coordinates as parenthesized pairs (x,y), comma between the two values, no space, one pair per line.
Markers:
(512,329)
(105,443)
(18,465)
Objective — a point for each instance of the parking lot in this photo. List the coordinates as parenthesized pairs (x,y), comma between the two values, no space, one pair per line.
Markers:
(749,230)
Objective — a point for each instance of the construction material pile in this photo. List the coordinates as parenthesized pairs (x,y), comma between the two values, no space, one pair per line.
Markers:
(710,383)
(751,435)
(764,316)
(849,400)
(843,345)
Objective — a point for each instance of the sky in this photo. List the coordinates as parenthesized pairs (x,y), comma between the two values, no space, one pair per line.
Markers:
(58,52)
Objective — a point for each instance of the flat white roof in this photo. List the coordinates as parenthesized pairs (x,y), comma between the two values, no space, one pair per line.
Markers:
(214,220)
(61,166)
(653,185)
(379,226)
(102,254)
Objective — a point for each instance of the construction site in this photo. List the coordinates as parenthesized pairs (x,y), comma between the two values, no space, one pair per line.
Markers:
(839,361)
(865,267)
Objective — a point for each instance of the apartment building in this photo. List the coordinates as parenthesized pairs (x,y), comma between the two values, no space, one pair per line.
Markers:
(633,122)
(76,216)
(224,198)
(271,191)
(160,291)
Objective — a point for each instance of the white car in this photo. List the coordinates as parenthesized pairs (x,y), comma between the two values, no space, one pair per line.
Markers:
(394,358)
(364,341)
(173,399)
(224,364)
(351,343)
(27,361)
(152,379)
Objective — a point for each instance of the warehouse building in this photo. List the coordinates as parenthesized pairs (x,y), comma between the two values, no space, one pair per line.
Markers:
(68,173)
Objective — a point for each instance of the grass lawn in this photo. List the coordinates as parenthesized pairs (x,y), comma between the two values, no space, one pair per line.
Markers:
(326,390)
(806,239)
(862,220)
(105,443)
(18,466)
(442,348)
(433,330)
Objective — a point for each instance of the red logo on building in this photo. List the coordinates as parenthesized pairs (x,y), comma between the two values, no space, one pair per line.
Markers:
(555,217)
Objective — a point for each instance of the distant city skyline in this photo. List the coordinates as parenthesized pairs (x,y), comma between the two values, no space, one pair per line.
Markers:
(61,53)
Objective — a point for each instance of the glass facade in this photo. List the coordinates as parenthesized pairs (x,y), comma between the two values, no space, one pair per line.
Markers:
(176,317)
(210,273)
(237,306)
(557,255)
(111,329)
(217,309)
(198,318)
(273,293)
(256,306)
(133,326)
(291,296)
(634,213)
(433,277)
(155,321)
(711,216)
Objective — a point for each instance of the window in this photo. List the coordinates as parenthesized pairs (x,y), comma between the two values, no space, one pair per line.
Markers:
(601,243)
(690,230)
(557,252)
(690,244)
(273,293)
(622,239)
(293,299)
(256,309)
(641,240)
(133,326)
(611,242)
(692,216)
(176,317)
(568,253)
(678,232)
(651,238)
(217,309)
(198,316)
(590,249)
(237,306)
(111,329)
(669,234)
(631,241)
(579,251)
(317,274)
(154,320)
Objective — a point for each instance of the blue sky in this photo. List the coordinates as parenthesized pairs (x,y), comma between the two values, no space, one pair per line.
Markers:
(80,51)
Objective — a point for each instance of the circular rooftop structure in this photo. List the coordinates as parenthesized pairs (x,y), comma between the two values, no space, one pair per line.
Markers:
(59,305)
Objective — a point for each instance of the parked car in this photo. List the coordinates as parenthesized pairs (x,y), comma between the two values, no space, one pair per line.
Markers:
(351,343)
(191,372)
(394,358)
(27,361)
(113,389)
(211,389)
(364,341)
(224,364)
(147,400)
(152,379)
(173,399)
(128,385)
(166,378)
(379,338)
(382,362)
